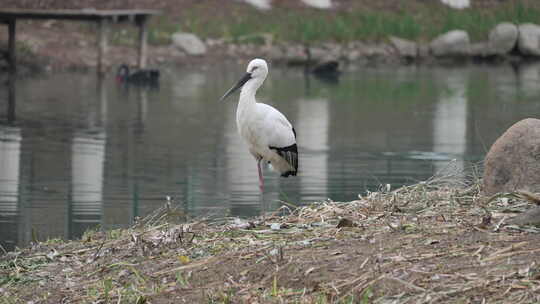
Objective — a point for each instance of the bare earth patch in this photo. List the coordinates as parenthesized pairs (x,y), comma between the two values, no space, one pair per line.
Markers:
(427,243)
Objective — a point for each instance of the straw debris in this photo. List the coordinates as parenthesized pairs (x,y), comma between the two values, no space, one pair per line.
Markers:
(432,242)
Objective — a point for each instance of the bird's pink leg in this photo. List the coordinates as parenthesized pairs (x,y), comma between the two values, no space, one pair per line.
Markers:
(261,179)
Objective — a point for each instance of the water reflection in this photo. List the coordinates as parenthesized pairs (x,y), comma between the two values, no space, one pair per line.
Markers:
(88,155)
(450,120)
(313,125)
(87,164)
(187,86)
(529,78)
(242,175)
(10,153)
(77,156)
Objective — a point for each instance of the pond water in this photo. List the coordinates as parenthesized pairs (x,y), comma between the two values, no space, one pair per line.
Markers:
(80,153)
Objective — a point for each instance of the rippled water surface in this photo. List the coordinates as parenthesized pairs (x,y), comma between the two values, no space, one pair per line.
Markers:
(80,153)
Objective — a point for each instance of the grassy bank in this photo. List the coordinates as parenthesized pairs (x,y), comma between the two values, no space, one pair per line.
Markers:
(287,26)
(419,21)
(430,242)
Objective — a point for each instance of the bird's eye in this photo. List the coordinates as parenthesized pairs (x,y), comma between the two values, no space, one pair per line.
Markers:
(254,68)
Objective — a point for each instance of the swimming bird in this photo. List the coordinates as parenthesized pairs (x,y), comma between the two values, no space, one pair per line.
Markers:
(141,76)
(268,133)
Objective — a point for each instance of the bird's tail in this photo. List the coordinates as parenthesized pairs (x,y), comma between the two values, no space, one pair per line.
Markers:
(285,160)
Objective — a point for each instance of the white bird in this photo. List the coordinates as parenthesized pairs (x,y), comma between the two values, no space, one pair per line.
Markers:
(268,133)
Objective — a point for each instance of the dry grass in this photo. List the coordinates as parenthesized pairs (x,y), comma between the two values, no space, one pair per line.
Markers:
(430,242)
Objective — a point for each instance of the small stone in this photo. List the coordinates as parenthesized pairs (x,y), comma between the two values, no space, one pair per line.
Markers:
(404,47)
(260,4)
(189,43)
(320,4)
(529,39)
(317,53)
(457,4)
(503,38)
(275,226)
(377,50)
(453,43)
(353,55)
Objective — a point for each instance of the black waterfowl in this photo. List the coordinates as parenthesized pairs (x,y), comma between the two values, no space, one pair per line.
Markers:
(141,76)
(325,70)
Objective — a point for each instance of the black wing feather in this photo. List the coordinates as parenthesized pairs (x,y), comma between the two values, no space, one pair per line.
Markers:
(290,155)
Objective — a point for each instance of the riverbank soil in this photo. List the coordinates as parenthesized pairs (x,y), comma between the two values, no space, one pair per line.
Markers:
(56,45)
(426,243)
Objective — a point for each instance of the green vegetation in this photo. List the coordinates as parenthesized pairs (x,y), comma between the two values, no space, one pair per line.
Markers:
(311,26)
(240,24)
(478,23)
(306,27)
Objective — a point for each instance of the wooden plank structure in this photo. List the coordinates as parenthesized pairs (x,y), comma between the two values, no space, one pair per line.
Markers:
(102,18)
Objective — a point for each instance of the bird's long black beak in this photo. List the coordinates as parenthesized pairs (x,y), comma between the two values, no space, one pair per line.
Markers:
(238,85)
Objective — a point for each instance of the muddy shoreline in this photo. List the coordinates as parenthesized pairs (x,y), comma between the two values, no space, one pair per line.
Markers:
(388,33)
(50,59)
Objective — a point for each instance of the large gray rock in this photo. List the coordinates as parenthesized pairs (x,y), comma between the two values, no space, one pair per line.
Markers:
(503,38)
(513,162)
(529,39)
(189,43)
(453,43)
(405,48)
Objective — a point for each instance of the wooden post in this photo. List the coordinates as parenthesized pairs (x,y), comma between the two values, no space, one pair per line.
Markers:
(11,97)
(143,36)
(11,45)
(102,46)
(103,102)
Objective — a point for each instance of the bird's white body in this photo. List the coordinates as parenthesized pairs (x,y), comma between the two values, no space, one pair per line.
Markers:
(268,133)
(262,126)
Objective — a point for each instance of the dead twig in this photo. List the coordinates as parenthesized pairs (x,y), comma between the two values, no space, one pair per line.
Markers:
(498,254)
(362,287)
(505,255)
(410,285)
(498,226)
(96,254)
(529,196)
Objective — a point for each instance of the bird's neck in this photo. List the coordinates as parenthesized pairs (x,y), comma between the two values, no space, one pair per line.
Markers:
(247,94)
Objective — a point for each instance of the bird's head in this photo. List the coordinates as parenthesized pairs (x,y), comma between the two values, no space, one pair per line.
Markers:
(256,72)
(122,73)
(257,68)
